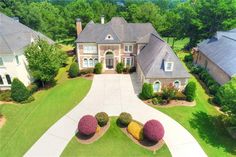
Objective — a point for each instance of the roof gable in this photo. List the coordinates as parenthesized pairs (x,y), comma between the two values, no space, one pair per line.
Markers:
(151,60)
(108,31)
(120,30)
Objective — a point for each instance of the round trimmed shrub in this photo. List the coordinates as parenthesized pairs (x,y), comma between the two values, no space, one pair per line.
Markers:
(19,92)
(98,68)
(125,118)
(87,125)
(102,118)
(120,67)
(153,130)
(74,70)
(135,130)
(147,91)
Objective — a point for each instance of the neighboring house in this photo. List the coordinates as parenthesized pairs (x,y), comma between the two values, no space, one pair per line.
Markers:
(134,44)
(14,37)
(218,55)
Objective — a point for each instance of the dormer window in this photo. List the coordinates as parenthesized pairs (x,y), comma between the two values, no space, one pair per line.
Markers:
(109,37)
(169,66)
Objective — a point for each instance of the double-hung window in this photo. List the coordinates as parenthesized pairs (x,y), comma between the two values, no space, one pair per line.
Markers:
(128,48)
(128,61)
(90,49)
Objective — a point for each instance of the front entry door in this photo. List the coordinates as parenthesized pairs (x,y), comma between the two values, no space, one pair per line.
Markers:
(109,60)
(109,63)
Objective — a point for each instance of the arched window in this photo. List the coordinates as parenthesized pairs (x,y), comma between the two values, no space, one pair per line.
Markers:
(90,62)
(177,84)
(157,86)
(8,79)
(1,80)
(85,63)
(95,61)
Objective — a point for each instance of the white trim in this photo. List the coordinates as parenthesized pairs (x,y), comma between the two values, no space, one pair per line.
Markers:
(155,83)
(87,62)
(105,52)
(127,44)
(109,35)
(132,61)
(165,66)
(179,83)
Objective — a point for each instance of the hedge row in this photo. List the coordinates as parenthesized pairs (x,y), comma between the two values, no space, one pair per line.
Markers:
(203,75)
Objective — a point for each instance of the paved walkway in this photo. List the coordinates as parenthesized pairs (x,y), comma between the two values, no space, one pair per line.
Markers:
(114,94)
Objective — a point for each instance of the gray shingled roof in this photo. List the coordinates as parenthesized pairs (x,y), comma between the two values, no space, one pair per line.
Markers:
(14,36)
(120,30)
(152,56)
(221,49)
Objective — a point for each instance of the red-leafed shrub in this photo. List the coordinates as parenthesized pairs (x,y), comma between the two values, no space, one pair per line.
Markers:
(153,130)
(87,125)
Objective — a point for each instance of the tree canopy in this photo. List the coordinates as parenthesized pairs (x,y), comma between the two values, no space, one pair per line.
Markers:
(44,60)
(196,20)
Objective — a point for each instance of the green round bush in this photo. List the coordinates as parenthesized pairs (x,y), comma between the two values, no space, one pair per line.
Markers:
(19,92)
(102,118)
(147,91)
(214,88)
(190,91)
(74,70)
(98,68)
(155,101)
(125,118)
(119,68)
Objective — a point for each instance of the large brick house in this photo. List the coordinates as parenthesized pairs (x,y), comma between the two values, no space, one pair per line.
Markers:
(134,44)
(218,55)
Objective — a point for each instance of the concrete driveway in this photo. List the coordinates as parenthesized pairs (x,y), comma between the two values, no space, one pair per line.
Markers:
(114,93)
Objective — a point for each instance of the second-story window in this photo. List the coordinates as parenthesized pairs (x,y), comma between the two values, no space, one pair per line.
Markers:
(128,48)
(1,61)
(90,49)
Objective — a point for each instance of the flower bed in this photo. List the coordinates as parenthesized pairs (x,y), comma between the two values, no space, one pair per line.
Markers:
(89,131)
(135,131)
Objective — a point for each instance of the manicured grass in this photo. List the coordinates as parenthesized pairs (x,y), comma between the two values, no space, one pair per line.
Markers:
(179,44)
(114,143)
(203,123)
(27,122)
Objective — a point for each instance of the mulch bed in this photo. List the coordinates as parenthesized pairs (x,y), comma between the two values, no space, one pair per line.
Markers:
(90,139)
(144,143)
(2,121)
(88,76)
(172,103)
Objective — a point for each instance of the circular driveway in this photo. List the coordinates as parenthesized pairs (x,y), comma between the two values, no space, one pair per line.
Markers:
(114,93)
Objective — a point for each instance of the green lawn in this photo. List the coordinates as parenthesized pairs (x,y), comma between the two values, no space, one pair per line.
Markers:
(27,122)
(202,120)
(178,45)
(114,143)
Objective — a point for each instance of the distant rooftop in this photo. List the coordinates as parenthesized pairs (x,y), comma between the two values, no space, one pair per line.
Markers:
(221,49)
(14,36)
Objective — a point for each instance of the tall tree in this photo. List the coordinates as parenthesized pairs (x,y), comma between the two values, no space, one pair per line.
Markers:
(44,60)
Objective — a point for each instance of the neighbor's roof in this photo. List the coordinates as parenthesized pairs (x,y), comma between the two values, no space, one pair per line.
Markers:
(14,36)
(119,29)
(221,49)
(152,56)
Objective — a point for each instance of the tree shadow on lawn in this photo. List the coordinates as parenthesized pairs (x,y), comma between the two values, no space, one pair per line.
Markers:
(212,131)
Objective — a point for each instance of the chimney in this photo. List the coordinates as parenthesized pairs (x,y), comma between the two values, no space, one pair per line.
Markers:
(102,19)
(78,26)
